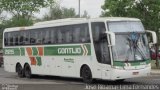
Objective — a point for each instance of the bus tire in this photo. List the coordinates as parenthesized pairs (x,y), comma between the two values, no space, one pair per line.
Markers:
(86,74)
(19,70)
(27,71)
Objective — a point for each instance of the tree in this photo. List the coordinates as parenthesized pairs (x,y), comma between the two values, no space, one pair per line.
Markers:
(57,12)
(85,15)
(21,12)
(146,10)
(23,9)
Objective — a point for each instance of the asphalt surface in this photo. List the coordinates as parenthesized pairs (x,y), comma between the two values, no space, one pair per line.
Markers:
(10,81)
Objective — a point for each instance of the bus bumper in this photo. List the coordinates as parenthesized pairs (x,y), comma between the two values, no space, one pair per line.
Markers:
(124,74)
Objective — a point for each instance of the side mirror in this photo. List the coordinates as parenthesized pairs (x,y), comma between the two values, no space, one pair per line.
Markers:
(154,36)
(112,37)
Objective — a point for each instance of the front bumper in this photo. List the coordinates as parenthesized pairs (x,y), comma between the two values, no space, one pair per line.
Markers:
(124,74)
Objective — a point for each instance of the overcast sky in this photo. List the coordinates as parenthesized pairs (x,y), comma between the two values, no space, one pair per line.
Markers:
(93,7)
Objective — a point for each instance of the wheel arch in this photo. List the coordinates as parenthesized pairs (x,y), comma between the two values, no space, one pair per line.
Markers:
(26,64)
(84,66)
(18,63)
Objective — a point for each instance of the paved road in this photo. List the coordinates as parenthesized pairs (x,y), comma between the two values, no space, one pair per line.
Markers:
(10,81)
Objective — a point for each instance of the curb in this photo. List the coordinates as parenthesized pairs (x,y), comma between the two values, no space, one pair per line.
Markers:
(155,74)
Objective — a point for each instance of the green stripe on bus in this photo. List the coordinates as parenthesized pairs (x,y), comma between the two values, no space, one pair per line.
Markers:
(12,52)
(118,63)
(135,63)
(39,62)
(89,48)
(34,51)
(70,50)
(67,50)
(22,51)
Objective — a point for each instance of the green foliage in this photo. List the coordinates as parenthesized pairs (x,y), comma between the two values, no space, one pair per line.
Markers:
(17,22)
(24,7)
(58,12)
(85,15)
(146,10)
(21,12)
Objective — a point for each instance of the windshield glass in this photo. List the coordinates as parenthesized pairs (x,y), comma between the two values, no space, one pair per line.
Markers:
(126,26)
(131,41)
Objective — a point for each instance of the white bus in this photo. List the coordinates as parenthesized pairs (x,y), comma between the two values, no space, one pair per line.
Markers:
(103,48)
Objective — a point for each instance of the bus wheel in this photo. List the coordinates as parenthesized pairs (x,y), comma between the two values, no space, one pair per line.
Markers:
(86,74)
(19,71)
(27,71)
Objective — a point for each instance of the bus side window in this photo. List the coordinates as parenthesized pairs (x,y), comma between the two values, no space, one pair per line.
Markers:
(59,36)
(45,37)
(26,39)
(32,37)
(68,35)
(96,34)
(100,45)
(76,34)
(53,36)
(21,38)
(14,38)
(85,38)
(38,38)
(6,39)
(10,39)
(63,32)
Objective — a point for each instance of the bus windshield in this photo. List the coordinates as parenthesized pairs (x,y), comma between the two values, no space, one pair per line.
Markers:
(131,41)
(125,26)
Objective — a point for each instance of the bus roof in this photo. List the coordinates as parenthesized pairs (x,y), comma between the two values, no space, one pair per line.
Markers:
(69,21)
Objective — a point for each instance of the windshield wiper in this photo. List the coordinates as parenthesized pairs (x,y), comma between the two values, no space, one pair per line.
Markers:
(141,52)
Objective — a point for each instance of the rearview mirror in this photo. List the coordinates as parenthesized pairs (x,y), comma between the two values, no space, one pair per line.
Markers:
(112,38)
(154,36)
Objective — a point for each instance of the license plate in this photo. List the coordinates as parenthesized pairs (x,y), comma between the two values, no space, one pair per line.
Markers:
(135,73)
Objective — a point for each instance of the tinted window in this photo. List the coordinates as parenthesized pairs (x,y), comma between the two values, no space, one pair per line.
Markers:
(26,38)
(100,43)
(53,35)
(6,39)
(125,26)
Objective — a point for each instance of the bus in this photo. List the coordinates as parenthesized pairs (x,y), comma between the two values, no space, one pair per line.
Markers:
(111,48)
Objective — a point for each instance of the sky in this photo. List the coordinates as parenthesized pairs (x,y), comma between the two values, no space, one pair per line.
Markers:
(93,7)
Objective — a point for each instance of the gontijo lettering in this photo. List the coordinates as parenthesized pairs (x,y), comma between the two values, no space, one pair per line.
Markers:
(69,50)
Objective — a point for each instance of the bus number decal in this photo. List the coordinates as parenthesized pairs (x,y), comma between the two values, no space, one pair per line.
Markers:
(9,51)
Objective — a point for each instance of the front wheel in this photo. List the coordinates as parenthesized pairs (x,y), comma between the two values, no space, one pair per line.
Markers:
(86,74)
(27,71)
